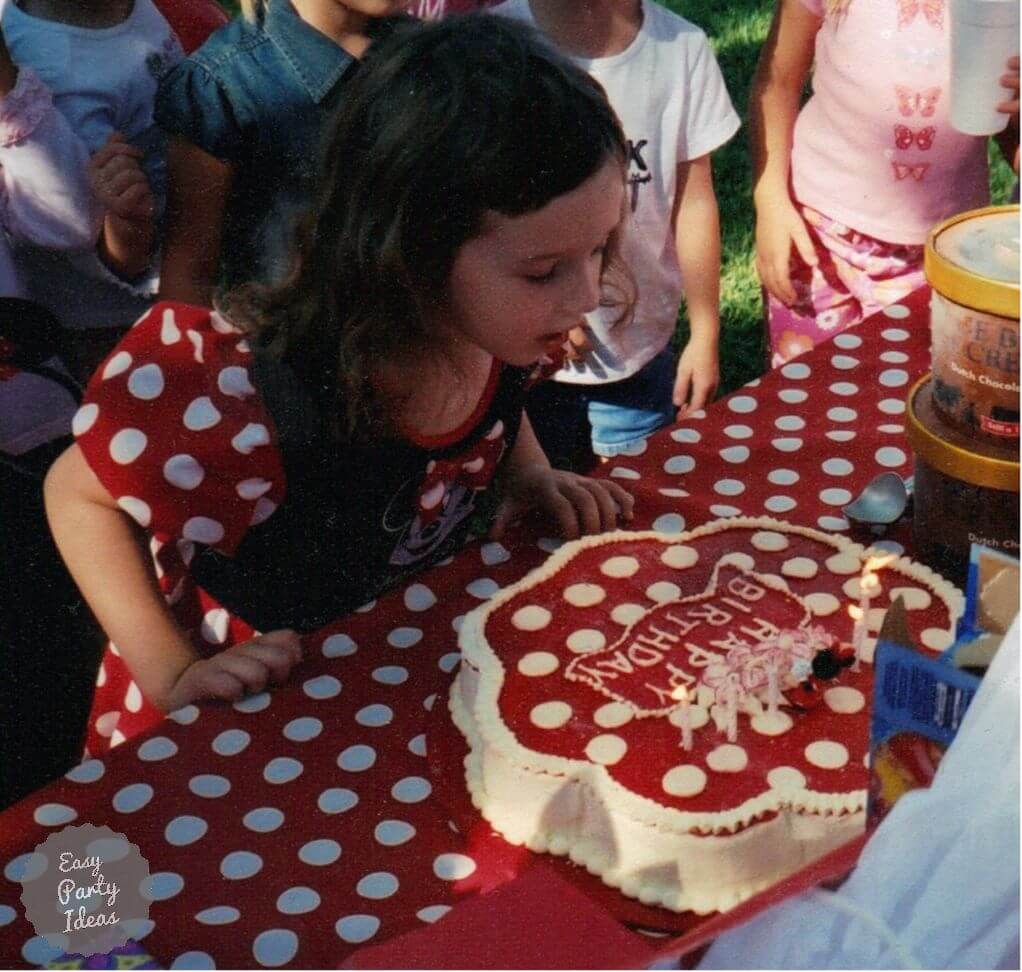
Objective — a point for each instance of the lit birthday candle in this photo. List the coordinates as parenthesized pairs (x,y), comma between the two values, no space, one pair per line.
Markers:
(684,716)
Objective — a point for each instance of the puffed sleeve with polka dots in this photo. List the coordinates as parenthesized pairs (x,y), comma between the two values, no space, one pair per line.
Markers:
(175,431)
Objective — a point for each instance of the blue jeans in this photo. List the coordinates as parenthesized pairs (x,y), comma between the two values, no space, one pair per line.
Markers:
(574,421)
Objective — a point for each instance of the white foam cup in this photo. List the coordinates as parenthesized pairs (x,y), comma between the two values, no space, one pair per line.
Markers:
(984,34)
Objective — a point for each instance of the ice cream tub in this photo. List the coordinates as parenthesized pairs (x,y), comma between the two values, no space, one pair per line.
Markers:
(972,264)
(966,491)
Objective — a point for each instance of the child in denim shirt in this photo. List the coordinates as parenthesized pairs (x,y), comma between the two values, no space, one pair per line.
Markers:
(245,113)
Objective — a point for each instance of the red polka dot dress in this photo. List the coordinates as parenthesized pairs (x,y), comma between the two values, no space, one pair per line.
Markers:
(257,518)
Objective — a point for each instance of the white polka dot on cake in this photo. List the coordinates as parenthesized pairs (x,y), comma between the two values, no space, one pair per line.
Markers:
(698,716)
(585,640)
(936,639)
(792,396)
(845,563)
(853,588)
(626,614)
(686,435)
(252,436)
(840,435)
(842,414)
(800,567)
(619,567)
(844,699)
(844,388)
(787,444)
(536,664)
(844,362)
(826,754)
(532,617)
(835,497)
(790,423)
(679,556)
(727,758)
(613,715)
(783,477)
(584,595)
(684,781)
(848,342)
(769,541)
(550,715)
(767,724)
(837,467)
(914,598)
(663,591)
(606,749)
(786,778)
(821,603)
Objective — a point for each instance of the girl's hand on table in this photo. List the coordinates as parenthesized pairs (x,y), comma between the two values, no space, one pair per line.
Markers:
(779,227)
(697,377)
(238,671)
(579,505)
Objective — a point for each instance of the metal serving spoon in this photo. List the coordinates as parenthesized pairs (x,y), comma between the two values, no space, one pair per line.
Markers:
(882,502)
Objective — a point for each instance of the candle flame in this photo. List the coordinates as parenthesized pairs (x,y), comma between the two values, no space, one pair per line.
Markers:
(855,612)
(680,694)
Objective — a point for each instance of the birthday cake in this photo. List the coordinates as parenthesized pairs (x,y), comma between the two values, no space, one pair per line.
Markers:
(685,715)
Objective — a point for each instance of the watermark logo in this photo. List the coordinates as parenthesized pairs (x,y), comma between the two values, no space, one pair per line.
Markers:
(86,890)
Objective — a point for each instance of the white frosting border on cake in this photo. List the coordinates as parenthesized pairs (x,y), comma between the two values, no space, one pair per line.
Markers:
(641,828)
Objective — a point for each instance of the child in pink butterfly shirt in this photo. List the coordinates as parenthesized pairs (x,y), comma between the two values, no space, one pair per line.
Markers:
(847,188)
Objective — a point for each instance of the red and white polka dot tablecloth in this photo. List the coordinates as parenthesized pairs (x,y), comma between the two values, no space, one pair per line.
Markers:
(294,827)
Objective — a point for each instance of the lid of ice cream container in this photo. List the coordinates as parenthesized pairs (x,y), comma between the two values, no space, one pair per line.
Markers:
(973,260)
(953,453)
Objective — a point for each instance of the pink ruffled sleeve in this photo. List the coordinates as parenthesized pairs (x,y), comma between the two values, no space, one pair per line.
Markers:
(175,431)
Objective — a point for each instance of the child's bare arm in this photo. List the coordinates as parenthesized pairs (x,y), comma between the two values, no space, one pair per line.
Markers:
(774,102)
(122,189)
(108,558)
(697,239)
(197,189)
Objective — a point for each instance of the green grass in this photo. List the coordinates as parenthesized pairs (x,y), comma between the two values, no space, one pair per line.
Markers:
(737,29)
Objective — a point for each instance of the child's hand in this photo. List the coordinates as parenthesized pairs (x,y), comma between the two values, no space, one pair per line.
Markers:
(697,377)
(578,344)
(779,227)
(1011,106)
(238,671)
(578,504)
(118,182)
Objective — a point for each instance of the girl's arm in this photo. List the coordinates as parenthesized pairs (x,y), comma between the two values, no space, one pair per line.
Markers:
(781,74)
(197,188)
(107,555)
(697,238)
(129,226)
(578,504)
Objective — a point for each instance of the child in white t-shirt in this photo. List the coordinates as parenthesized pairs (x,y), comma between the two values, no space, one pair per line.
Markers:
(660,75)
(102,61)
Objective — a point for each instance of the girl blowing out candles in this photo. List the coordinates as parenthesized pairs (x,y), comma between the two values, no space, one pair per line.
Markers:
(293,454)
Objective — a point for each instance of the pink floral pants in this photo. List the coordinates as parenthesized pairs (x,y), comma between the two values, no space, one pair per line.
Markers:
(856,276)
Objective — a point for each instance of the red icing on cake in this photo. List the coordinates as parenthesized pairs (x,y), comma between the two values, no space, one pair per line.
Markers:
(603,717)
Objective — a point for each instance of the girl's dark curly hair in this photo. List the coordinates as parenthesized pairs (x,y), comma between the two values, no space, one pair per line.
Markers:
(443,122)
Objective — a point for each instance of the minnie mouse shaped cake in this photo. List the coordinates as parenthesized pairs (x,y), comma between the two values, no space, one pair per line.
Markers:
(686,715)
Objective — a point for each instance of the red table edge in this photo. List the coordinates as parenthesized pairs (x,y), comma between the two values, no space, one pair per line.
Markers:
(830,867)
